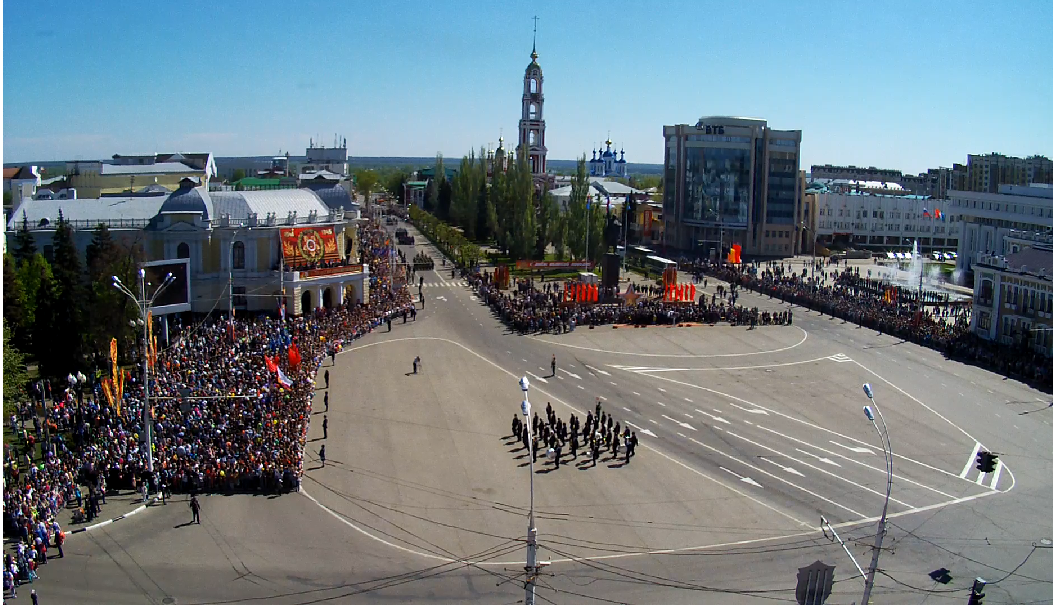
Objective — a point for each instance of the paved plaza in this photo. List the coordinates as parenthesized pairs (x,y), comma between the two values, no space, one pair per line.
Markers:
(747,439)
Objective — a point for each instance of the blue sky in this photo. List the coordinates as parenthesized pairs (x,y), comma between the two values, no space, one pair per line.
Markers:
(907,85)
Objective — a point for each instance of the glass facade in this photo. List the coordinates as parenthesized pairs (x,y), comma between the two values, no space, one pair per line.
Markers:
(716,185)
(670,187)
(782,181)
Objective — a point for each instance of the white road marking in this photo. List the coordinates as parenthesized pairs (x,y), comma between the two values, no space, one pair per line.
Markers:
(819,458)
(716,418)
(626,409)
(788,469)
(804,337)
(661,389)
(969,462)
(645,432)
(748,422)
(660,403)
(778,478)
(613,384)
(741,478)
(858,450)
(524,361)
(581,387)
(442,298)
(750,410)
(571,374)
(689,416)
(997,474)
(635,393)
(683,424)
(537,377)
(688,400)
(980,478)
(821,470)
(652,421)
(597,370)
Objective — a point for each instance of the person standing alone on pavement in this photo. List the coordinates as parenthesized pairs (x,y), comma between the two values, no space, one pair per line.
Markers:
(321,455)
(327,401)
(195,508)
(325,427)
(327,379)
(553,365)
(416,364)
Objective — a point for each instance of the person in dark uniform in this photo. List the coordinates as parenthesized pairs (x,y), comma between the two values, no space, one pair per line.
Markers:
(615,445)
(533,451)
(332,355)
(195,508)
(553,365)
(325,427)
(515,424)
(327,379)
(321,455)
(574,445)
(595,452)
(389,324)
(559,452)
(599,405)
(326,401)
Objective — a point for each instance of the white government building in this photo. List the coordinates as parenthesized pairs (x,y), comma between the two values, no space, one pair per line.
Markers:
(987,218)
(881,216)
(237,243)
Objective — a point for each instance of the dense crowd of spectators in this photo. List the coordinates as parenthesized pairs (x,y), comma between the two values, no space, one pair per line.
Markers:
(223,421)
(529,306)
(941,322)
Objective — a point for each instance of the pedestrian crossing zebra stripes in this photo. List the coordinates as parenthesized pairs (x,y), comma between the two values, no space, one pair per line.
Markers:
(457,283)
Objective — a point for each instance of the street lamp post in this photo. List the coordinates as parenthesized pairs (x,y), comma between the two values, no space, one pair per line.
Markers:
(143,304)
(531,562)
(886,447)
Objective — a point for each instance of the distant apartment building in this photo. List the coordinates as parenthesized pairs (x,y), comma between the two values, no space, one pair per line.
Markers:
(857,173)
(731,180)
(881,216)
(987,172)
(125,174)
(987,218)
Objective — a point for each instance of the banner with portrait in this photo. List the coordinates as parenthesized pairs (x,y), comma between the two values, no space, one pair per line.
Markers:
(306,245)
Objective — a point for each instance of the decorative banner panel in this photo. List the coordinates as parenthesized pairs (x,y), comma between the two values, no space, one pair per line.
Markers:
(306,245)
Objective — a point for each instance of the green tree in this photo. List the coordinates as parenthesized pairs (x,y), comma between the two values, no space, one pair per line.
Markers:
(30,276)
(25,244)
(547,217)
(431,195)
(484,213)
(393,182)
(14,315)
(577,208)
(559,234)
(238,174)
(58,327)
(445,198)
(109,309)
(522,233)
(366,182)
(15,375)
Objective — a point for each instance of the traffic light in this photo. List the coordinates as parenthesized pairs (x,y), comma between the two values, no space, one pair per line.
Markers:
(976,596)
(986,461)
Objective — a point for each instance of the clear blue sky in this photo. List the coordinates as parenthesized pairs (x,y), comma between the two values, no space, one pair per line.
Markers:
(907,85)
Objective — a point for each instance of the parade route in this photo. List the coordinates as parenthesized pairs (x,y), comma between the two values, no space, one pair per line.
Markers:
(747,438)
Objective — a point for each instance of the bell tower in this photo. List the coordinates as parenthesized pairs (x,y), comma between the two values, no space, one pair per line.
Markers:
(532,122)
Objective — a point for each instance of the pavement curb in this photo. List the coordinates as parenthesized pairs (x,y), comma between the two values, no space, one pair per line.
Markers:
(134,511)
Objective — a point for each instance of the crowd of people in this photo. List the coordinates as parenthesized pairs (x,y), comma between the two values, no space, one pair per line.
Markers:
(939,322)
(529,306)
(223,418)
(553,438)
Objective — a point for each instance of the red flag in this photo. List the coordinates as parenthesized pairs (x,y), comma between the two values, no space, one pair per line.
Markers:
(294,355)
(272,365)
(692,292)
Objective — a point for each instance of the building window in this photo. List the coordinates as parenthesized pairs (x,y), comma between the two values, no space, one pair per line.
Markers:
(533,85)
(533,111)
(238,255)
(183,250)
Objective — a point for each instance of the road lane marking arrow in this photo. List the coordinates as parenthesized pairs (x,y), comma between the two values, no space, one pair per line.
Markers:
(716,418)
(750,410)
(858,450)
(788,469)
(741,478)
(536,377)
(597,370)
(819,458)
(683,424)
(641,429)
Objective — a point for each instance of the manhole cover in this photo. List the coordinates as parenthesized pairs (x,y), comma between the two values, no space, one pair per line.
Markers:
(168,601)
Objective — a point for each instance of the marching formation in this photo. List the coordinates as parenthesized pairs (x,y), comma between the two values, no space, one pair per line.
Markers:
(557,439)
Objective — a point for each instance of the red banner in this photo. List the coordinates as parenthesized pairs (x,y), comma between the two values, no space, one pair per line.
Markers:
(304,245)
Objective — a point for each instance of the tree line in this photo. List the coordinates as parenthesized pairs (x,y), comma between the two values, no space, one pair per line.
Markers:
(60,311)
(499,203)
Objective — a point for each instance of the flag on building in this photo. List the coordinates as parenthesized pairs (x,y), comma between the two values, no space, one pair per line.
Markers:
(925,213)
(939,215)
(282,378)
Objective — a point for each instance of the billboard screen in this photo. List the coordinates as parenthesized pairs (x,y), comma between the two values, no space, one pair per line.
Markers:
(176,297)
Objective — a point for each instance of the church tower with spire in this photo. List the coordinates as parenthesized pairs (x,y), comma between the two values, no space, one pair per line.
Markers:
(532,122)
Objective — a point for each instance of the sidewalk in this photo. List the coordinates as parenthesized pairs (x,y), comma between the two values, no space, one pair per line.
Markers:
(118,507)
